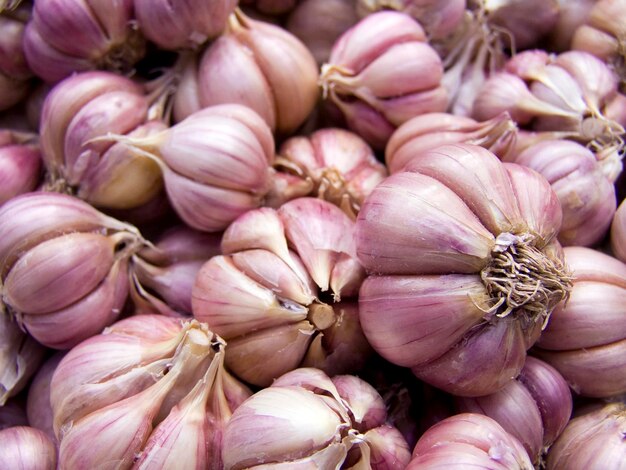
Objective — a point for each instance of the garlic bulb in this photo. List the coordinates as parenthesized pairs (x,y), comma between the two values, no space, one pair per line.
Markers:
(460,252)
(64,266)
(72,36)
(216,164)
(82,108)
(283,293)
(306,419)
(15,75)
(150,391)
(381,73)
(260,66)
(333,164)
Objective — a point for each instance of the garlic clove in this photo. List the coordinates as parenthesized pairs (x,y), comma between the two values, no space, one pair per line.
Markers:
(460,241)
(476,176)
(330,457)
(28,448)
(515,409)
(251,87)
(209,150)
(295,81)
(320,232)
(590,318)
(20,357)
(118,112)
(39,216)
(430,314)
(66,327)
(274,423)
(20,170)
(270,271)
(66,268)
(262,229)
(280,349)
(64,102)
(366,406)
(388,448)
(596,79)
(376,33)
(244,305)
(593,372)
(595,266)
(206,208)
(471,369)
(38,406)
(618,233)
(543,215)
(551,394)
(346,277)
(415,67)
(124,178)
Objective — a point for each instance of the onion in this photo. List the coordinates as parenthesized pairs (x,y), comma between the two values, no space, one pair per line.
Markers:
(381,73)
(592,441)
(305,419)
(332,164)
(64,266)
(260,66)
(72,36)
(437,240)
(26,447)
(150,391)
(585,338)
(468,440)
(283,294)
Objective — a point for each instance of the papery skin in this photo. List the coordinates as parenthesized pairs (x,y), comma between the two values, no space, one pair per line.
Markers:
(186,24)
(20,357)
(356,75)
(618,233)
(466,440)
(73,36)
(592,441)
(245,58)
(587,196)
(426,236)
(585,339)
(27,448)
